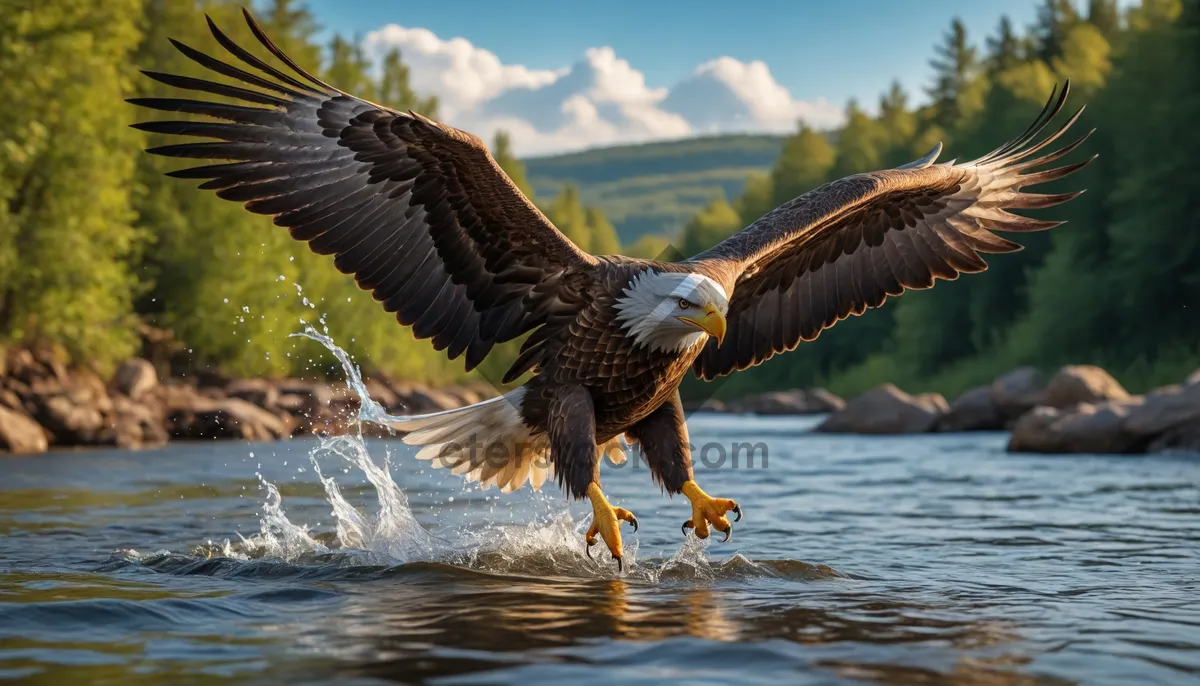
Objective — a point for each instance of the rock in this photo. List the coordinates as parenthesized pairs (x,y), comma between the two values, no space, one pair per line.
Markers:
(1082,383)
(228,418)
(261,392)
(421,400)
(1085,428)
(886,410)
(1194,379)
(705,405)
(74,413)
(135,377)
(1181,439)
(815,401)
(1018,392)
(312,398)
(1165,409)
(974,410)
(135,426)
(21,435)
(382,393)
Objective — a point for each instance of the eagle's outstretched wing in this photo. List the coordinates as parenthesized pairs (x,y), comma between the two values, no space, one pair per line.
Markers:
(846,246)
(417,211)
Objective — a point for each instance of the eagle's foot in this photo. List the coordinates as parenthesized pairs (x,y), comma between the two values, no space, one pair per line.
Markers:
(707,511)
(606,521)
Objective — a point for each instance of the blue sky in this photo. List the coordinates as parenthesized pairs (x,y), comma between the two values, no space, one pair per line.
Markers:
(817,51)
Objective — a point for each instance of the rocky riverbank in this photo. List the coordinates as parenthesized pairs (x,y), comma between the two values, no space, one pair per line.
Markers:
(44,404)
(1081,409)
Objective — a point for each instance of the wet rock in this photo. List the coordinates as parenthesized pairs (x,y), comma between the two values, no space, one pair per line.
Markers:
(19,434)
(705,405)
(229,418)
(1179,439)
(1082,383)
(797,401)
(75,412)
(134,425)
(974,410)
(135,377)
(1165,409)
(1085,428)
(261,392)
(421,400)
(1018,392)
(887,410)
(381,392)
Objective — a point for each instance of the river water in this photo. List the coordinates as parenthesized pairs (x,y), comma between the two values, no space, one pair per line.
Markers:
(909,560)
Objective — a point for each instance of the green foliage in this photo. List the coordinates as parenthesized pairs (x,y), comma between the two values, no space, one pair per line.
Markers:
(67,234)
(718,221)
(803,165)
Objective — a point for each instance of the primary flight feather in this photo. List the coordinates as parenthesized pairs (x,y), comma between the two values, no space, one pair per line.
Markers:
(424,218)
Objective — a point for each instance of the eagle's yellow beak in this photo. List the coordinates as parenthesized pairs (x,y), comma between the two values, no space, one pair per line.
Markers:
(713,322)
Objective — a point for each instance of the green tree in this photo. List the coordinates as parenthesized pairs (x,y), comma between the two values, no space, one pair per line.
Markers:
(803,164)
(897,127)
(394,89)
(1105,16)
(1003,49)
(66,169)
(860,144)
(604,236)
(1054,19)
(349,68)
(757,198)
(955,66)
(710,226)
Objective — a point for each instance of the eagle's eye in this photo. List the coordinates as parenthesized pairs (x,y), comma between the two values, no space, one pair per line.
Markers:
(684,304)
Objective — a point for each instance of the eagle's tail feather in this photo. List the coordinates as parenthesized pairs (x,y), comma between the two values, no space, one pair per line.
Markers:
(487,442)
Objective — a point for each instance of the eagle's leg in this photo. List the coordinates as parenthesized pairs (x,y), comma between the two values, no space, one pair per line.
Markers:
(572,430)
(606,521)
(664,443)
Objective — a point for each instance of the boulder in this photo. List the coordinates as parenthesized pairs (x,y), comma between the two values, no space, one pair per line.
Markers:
(261,392)
(974,410)
(1164,410)
(135,377)
(422,399)
(1180,439)
(1194,379)
(310,399)
(705,405)
(1085,428)
(21,435)
(75,413)
(229,418)
(382,393)
(816,401)
(886,410)
(1082,383)
(1018,392)
(135,426)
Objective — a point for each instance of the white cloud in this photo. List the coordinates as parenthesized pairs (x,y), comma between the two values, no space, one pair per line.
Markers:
(599,100)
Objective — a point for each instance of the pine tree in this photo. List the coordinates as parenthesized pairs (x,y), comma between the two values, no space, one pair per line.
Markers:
(1054,19)
(897,127)
(349,68)
(395,90)
(954,70)
(717,221)
(860,145)
(1105,16)
(604,236)
(1003,49)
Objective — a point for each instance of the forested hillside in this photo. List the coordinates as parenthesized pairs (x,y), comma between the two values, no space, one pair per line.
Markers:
(653,188)
(1119,285)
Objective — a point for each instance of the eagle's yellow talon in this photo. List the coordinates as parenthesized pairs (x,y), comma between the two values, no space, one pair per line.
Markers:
(707,511)
(606,523)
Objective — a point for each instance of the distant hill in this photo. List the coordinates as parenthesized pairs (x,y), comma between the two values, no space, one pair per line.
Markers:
(656,187)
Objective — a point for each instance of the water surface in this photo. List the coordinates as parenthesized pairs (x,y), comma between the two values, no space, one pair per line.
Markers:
(931,559)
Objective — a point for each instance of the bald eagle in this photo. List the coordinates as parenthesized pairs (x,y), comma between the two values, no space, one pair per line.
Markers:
(424,218)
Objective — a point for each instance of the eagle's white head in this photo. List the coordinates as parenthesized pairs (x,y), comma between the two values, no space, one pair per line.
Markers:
(668,311)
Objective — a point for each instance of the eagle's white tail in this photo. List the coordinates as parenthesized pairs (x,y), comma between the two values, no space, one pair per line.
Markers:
(487,442)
